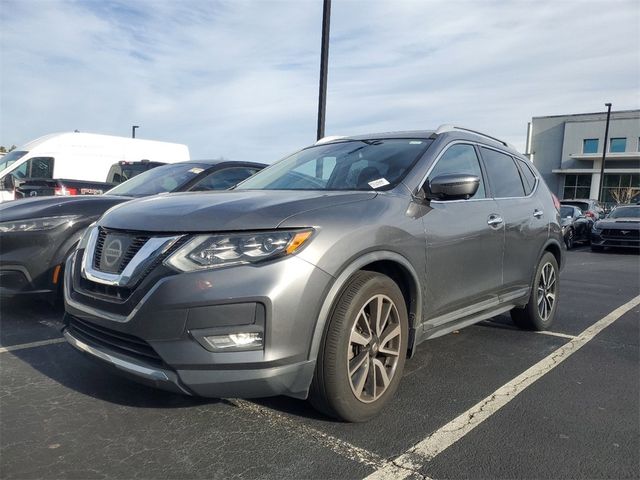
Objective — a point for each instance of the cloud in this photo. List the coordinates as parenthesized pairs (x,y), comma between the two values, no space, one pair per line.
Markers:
(239,78)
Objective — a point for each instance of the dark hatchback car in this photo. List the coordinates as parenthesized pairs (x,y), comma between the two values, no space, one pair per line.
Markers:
(38,234)
(621,229)
(319,275)
(576,226)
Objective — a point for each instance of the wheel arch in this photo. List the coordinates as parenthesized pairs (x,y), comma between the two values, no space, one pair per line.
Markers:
(389,263)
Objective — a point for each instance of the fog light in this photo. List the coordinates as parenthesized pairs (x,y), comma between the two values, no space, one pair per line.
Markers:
(235,341)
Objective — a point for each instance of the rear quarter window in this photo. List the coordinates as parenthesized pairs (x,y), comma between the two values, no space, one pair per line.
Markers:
(528,177)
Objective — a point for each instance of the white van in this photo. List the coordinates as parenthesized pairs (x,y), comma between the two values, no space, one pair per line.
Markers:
(80,156)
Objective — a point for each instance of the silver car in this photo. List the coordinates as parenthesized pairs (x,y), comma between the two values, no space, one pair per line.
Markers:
(320,275)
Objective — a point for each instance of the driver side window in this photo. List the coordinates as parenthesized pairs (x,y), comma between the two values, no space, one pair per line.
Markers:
(461,159)
(37,167)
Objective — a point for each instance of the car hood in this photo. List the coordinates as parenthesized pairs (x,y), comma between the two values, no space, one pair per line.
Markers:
(619,223)
(85,205)
(222,211)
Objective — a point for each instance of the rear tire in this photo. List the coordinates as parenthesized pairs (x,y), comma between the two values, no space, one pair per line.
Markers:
(363,352)
(540,311)
(570,239)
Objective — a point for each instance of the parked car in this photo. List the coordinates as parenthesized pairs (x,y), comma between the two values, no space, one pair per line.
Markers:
(590,208)
(76,156)
(38,234)
(319,275)
(620,229)
(576,226)
(123,171)
(46,187)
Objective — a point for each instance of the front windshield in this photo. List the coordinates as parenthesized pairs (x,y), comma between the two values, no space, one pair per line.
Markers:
(626,212)
(349,165)
(163,179)
(11,157)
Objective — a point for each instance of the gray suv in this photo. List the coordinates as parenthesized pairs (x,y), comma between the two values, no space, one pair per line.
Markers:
(319,276)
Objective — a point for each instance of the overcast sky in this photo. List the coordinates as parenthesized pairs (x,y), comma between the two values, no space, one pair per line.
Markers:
(239,78)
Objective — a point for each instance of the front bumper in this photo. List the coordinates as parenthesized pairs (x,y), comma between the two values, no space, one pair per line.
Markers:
(617,241)
(29,260)
(159,339)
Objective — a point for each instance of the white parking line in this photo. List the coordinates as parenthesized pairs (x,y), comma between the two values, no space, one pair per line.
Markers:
(22,346)
(344,449)
(413,459)
(557,334)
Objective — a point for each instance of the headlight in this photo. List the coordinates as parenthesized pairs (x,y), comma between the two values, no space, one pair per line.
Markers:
(221,250)
(596,228)
(36,224)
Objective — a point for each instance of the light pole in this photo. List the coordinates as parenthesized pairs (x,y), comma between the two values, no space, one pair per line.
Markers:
(324,60)
(133,131)
(604,151)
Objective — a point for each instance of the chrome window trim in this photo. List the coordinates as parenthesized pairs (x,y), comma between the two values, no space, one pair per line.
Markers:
(150,251)
(477,144)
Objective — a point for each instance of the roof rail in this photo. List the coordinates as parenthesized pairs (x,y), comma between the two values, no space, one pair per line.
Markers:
(328,139)
(448,128)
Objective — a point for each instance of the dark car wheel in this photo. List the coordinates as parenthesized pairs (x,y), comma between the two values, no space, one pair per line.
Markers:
(540,312)
(569,239)
(363,353)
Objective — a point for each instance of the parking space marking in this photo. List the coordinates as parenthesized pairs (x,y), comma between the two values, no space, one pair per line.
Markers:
(342,448)
(22,346)
(414,459)
(557,334)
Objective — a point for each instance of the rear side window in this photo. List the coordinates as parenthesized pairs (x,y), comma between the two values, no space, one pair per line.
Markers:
(460,158)
(223,179)
(503,174)
(528,177)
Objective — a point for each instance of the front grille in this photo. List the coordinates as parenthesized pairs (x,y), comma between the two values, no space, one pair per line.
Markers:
(617,234)
(98,336)
(106,292)
(136,243)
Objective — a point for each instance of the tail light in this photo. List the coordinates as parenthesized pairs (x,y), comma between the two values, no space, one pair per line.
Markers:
(589,213)
(66,191)
(556,202)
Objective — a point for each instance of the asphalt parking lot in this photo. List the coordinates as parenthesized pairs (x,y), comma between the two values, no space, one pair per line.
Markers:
(489,401)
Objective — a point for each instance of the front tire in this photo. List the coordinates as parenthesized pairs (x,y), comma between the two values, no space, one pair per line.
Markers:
(540,311)
(363,352)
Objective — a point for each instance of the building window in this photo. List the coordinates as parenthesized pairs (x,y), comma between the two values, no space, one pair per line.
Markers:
(577,186)
(619,188)
(590,145)
(618,145)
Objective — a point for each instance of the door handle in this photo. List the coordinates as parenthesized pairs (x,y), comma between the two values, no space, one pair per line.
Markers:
(538,213)
(494,220)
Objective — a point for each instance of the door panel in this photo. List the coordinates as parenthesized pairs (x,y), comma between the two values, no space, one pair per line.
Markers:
(464,256)
(525,235)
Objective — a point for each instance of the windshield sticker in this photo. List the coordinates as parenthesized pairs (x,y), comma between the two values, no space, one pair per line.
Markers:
(415,142)
(196,170)
(381,182)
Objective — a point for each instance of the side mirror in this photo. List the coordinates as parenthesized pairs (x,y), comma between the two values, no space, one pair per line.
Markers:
(7,182)
(455,186)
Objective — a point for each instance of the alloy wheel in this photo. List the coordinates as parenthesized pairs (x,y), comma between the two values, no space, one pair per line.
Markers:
(546,292)
(374,348)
